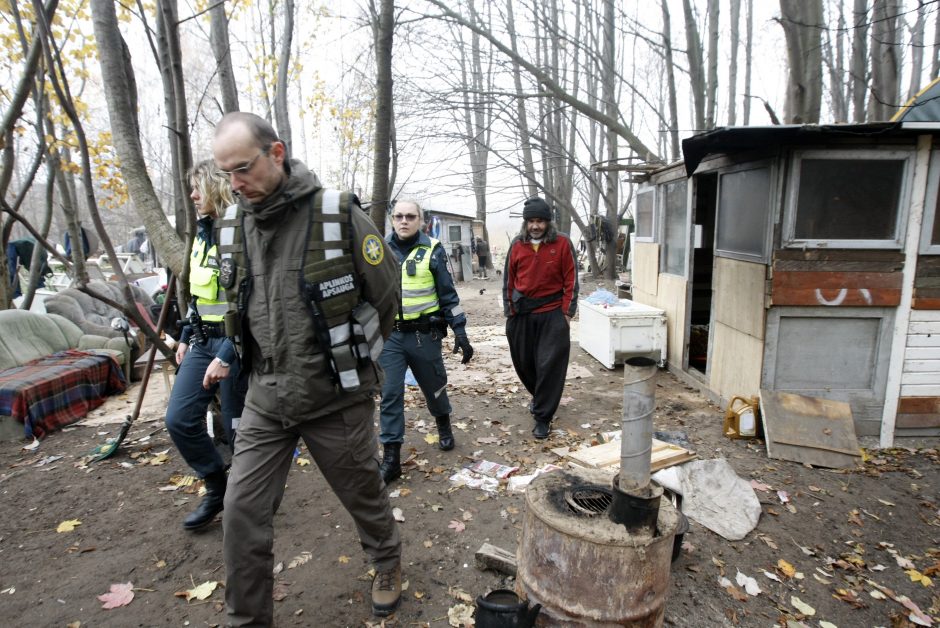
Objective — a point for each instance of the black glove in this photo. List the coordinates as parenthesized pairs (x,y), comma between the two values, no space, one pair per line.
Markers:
(462,343)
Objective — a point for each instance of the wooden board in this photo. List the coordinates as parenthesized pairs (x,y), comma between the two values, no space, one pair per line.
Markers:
(809,430)
(607,455)
(496,558)
(845,289)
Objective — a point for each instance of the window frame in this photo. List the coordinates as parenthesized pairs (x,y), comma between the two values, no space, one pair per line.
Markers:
(906,155)
(660,210)
(770,219)
(652,236)
(931,213)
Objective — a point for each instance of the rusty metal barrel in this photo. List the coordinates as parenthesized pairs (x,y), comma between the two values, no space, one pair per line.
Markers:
(584,569)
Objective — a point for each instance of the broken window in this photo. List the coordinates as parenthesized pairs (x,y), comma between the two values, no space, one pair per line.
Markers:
(644,214)
(847,198)
(675,230)
(744,203)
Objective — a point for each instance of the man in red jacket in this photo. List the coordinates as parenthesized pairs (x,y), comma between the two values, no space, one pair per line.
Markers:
(540,297)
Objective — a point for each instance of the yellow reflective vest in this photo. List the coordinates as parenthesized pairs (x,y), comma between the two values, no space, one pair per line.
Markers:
(204,282)
(418,292)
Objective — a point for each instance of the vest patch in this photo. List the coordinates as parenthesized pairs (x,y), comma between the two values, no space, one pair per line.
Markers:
(227,273)
(372,249)
(333,287)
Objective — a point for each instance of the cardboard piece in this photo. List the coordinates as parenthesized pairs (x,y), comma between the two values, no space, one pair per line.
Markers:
(809,430)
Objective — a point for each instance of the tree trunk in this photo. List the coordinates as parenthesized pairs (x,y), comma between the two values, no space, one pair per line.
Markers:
(802,23)
(935,52)
(281,116)
(522,121)
(748,51)
(712,99)
(671,82)
(610,100)
(917,51)
(693,45)
(115,73)
(859,66)
(733,64)
(384,25)
(883,99)
(222,50)
(833,58)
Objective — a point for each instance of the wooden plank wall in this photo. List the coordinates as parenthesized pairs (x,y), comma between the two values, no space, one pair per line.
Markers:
(837,278)
(927,283)
(919,405)
(667,292)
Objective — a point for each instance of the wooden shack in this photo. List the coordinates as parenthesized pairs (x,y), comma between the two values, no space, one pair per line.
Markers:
(802,259)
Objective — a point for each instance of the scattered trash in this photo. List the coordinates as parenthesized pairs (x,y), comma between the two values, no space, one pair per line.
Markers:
(602,296)
(492,469)
(470,479)
(518,483)
(47,460)
(714,496)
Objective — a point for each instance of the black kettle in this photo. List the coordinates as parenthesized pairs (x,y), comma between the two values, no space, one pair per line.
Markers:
(502,608)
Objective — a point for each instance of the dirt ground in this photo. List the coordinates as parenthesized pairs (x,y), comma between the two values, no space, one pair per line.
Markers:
(856,545)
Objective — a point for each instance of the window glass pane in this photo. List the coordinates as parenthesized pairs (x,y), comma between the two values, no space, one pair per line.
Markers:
(848,199)
(644,214)
(453,233)
(743,211)
(675,239)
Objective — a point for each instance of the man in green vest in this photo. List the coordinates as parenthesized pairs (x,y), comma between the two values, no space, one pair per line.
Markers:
(429,305)
(309,274)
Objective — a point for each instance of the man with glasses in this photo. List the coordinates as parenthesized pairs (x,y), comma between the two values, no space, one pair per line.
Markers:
(429,305)
(301,265)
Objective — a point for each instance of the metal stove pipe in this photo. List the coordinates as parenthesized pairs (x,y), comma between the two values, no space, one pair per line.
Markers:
(636,438)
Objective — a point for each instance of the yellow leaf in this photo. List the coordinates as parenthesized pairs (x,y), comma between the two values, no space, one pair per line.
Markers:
(68,526)
(916,576)
(344,559)
(303,462)
(160,458)
(788,570)
(431,439)
(802,606)
(202,592)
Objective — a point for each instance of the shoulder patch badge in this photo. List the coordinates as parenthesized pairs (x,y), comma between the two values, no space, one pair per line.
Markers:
(372,249)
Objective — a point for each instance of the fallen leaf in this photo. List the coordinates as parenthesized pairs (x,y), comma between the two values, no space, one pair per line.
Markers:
(802,607)
(161,458)
(68,525)
(299,560)
(850,597)
(280,592)
(303,462)
(398,514)
(431,439)
(428,543)
(878,595)
(278,568)
(784,497)
(916,576)
(343,559)
(201,592)
(854,518)
(886,502)
(749,584)
(120,594)
(460,615)
(772,576)
(786,568)
(467,515)
(457,526)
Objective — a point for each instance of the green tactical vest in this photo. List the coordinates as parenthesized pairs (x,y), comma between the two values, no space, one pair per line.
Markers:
(204,282)
(418,292)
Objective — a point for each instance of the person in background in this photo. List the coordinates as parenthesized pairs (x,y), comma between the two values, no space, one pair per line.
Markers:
(540,297)
(429,304)
(315,292)
(483,255)
(206,357)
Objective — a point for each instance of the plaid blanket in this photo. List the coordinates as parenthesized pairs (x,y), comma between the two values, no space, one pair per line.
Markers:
(58,389)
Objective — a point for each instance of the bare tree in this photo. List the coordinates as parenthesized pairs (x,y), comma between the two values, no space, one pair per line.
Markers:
(859,66)
(733,63)
(885,65)
(693,45)
(281,116)
(222,51)
(748,50)
(384,26)
(917,50)
(711,101)
(802,23)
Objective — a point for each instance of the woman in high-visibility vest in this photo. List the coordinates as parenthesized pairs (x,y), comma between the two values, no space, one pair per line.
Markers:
(207,359)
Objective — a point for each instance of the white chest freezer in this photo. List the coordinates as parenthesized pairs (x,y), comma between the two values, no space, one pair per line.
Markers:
(613,333)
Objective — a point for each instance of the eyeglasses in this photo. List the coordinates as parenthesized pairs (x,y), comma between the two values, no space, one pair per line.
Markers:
(242,170)
(404,217)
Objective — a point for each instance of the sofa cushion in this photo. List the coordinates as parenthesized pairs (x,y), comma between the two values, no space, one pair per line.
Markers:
(90,314)
(26,336)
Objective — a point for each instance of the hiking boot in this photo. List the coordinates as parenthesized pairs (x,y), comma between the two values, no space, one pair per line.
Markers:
(391,462)
(444,431)
(542,429)
(211,504)
(386,591)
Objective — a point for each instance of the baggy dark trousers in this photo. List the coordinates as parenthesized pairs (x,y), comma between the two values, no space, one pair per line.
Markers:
(540,345)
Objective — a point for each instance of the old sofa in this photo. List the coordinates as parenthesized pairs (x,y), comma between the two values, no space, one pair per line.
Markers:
(52,373)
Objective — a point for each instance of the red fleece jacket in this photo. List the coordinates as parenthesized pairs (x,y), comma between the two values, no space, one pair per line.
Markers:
(541,273)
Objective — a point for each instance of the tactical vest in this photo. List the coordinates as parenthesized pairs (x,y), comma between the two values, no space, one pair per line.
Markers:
(418,292)
(204,282)
(347,329)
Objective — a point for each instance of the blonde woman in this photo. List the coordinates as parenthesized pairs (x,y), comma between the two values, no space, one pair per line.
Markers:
(207,359)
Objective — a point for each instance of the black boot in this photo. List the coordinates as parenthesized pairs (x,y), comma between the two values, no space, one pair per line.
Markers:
(444,431)
(211,504)
(391,462)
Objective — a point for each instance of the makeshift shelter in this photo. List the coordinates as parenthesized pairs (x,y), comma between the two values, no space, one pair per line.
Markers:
(802,259)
